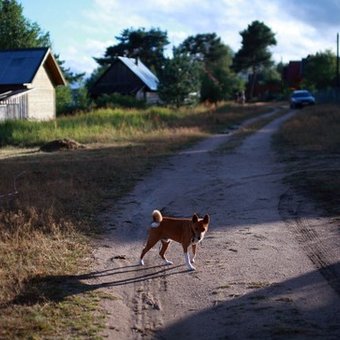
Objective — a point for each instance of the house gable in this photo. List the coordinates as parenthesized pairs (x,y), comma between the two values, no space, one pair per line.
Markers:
(19,67)
(42,101)
(117,79)
(126,76)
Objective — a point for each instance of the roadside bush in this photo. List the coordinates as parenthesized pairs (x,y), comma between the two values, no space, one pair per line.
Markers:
(70,101)
(63,99)
(116,100)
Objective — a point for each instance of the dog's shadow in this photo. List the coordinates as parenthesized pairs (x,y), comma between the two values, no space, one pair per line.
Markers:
(57,288)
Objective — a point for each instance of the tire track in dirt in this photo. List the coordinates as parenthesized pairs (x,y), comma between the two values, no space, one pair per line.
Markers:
(147,306)
(313,234)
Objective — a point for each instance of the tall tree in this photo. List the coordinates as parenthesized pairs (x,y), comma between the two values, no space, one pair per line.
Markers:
(218,80)
(320,70)
(18,32)
(179,79)
(138,43)
(206,47)
(254,53)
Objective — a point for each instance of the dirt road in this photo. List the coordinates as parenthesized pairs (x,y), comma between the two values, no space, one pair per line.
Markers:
(268,267)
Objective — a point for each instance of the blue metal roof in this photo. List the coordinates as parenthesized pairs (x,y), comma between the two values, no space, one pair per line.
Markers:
(142,72)
(19,66)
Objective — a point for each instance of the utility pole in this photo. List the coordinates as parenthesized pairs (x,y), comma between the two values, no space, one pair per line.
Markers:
(337,61)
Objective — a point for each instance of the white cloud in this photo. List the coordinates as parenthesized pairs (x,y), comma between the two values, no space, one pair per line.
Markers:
(94,28)
(80,56)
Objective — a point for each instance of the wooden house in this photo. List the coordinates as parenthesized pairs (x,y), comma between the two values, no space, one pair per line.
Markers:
(127,76)
(293,74)
(28,78)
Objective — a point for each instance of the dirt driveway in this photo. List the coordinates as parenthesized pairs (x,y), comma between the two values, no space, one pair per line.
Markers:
(268,267)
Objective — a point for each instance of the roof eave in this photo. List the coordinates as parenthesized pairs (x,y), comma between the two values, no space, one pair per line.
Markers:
(57,76)
(55,68)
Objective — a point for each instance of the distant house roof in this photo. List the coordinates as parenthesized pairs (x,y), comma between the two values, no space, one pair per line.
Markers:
(19,67)
(142,72)
(126,76)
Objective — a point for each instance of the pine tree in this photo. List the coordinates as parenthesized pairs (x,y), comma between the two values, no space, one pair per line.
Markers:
(254,53)
(218,81)
(18,32)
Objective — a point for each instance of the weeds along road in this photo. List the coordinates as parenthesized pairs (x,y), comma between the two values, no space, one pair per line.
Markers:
(267,267)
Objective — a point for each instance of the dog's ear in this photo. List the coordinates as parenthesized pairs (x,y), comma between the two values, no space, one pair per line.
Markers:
(194,218)
(206,219)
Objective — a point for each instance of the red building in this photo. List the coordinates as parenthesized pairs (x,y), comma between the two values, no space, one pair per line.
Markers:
(293,73)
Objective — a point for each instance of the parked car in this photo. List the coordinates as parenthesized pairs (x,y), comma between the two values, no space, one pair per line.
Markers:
(301,98)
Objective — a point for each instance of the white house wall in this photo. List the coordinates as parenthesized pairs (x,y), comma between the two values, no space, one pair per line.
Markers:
(152,98)
(41,101)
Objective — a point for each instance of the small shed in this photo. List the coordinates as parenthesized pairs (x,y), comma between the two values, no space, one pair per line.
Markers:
(28,78)
(127,76)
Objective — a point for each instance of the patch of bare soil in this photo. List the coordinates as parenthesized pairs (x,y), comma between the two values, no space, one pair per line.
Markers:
(267,268)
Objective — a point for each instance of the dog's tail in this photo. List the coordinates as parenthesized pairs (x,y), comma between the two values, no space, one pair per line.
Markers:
(157,218)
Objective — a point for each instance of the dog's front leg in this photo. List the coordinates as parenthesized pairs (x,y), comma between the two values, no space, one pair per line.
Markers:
(187,259)
(194,253)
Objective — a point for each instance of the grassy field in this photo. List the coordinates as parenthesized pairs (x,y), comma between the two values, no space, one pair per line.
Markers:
(49,203)
(113,125)
(310,145)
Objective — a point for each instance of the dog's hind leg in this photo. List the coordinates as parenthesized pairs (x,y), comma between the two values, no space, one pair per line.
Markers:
(152,240)
(165,245)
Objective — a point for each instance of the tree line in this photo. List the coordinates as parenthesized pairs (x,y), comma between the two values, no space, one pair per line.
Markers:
(201,67)
(202,64)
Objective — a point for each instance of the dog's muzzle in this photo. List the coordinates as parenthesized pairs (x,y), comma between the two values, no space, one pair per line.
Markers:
(196,239)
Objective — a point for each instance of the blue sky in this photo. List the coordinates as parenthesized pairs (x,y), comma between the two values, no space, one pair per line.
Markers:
(83,29)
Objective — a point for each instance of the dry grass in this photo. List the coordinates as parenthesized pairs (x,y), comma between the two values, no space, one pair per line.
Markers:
(45,227)
(314,129)
(112,125)
(310,144)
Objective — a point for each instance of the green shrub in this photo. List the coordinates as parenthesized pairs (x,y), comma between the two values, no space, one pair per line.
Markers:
(116,100)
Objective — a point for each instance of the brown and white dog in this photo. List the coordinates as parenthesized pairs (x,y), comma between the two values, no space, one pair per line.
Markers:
(182,230)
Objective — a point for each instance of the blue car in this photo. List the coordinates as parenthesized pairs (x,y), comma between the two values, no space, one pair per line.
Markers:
(301,98)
